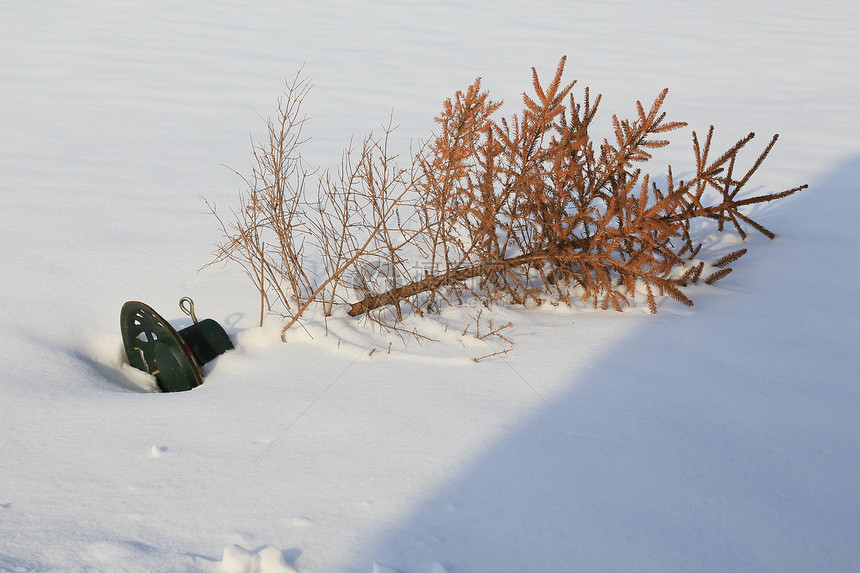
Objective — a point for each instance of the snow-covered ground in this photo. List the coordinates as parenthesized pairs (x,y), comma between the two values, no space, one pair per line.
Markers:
(725,437)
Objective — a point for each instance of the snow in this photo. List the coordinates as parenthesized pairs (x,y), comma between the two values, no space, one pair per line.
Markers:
(721,437)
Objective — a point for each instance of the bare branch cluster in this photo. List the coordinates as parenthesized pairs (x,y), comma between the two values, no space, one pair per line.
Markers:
(521,209)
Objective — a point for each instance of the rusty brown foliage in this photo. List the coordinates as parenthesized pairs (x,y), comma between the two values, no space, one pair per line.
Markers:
(519,209)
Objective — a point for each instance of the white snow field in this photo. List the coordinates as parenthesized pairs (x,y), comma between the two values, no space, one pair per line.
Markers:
(723,437)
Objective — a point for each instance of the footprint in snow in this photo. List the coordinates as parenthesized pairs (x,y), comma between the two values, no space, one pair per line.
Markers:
(267,560)
(379,568)
(297,521)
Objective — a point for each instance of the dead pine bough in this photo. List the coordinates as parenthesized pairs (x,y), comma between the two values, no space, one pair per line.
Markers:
(517,210)
(491,332)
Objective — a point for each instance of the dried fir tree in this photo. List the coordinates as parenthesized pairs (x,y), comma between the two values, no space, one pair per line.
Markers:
(519,209)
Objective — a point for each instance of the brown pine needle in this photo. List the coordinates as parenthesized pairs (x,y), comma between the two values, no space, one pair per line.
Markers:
(729,258)
(715,276)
